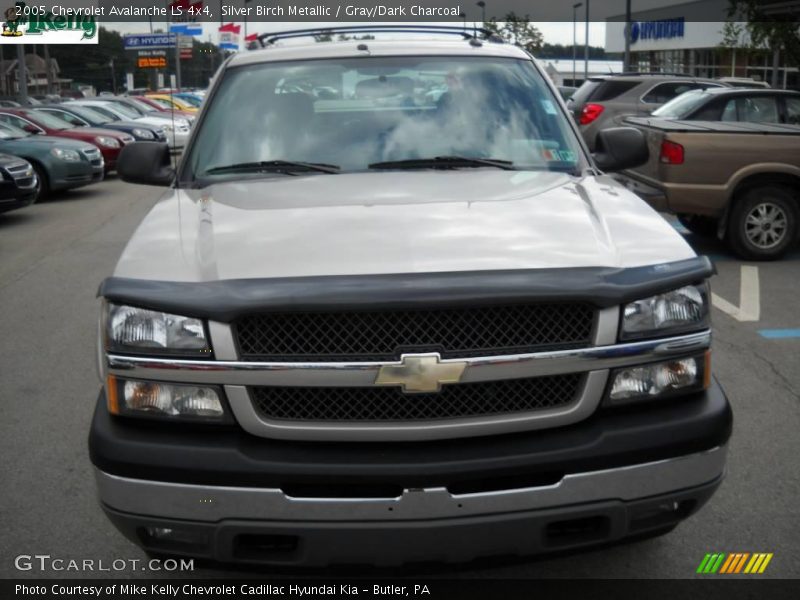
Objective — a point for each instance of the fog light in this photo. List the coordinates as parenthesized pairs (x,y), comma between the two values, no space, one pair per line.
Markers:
(164,400)
(166,537)
(159,532)
(657,380)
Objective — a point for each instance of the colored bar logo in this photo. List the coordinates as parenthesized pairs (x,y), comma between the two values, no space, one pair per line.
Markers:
(734,563)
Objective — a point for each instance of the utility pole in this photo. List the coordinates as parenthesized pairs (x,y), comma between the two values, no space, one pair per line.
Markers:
(48,69)
(22,76)
(113,76)
(626,63)
(221,23)
(586,47)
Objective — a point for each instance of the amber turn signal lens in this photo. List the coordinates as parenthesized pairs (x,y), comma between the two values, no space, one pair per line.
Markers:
(112,395)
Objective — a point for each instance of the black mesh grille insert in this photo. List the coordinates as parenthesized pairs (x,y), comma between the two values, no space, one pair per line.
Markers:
(391,404)
(385,335)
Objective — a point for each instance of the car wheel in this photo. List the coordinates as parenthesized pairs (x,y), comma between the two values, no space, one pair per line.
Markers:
(43,187)
(764,222)
(701,226)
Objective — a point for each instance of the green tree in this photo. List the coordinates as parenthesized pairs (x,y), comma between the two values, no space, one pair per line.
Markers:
(517,30)
(769,28)
(734,37)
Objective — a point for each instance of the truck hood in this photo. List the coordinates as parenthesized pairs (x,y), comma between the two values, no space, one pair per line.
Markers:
(397,222)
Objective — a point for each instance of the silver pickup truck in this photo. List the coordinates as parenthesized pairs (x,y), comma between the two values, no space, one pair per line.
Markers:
(389,310)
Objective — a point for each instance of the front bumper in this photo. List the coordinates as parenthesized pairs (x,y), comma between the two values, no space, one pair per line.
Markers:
(237,497)
(63,175)
(13,197)
(317,540)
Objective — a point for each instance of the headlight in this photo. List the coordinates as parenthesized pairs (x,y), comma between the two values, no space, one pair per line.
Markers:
(66,154)
(106,141)
(658,380)
(144,134)
(165,400)
(143,331)
(679,310)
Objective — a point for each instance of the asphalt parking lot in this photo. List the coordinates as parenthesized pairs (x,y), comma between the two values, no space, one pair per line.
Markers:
(54,254)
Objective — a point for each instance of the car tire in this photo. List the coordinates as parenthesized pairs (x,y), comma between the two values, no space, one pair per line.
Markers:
(764,222)
(43,189)
(701,226)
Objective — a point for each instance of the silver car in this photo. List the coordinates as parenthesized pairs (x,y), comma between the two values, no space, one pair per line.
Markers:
(604,101)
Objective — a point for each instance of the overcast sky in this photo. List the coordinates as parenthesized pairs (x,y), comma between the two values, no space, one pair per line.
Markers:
(554,33)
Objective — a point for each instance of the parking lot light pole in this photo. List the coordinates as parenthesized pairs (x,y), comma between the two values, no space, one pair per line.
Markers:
(586,46)
(22,75)
(575,8)
(626,63)
(482,4)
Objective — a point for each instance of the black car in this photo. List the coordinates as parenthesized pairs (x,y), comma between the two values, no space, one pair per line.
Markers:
(84,116)
(734,105)
(18,184)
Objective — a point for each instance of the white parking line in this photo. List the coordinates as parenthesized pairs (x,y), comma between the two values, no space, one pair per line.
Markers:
(749,308)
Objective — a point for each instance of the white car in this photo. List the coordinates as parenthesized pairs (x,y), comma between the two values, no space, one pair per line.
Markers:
(177,129)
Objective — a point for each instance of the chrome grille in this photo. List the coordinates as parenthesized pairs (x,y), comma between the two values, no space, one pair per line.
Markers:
(383,404)
(18,170)
(385,334)
(93,156)
(21,173)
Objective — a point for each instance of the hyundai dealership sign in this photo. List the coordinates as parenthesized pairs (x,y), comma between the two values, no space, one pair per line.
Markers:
(676,33)
(657,30)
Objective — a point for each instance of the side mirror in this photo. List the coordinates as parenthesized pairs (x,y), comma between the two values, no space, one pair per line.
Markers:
(620,148)
(33,129)
(147,163)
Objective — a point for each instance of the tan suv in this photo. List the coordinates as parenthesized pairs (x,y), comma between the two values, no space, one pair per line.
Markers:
(605,101)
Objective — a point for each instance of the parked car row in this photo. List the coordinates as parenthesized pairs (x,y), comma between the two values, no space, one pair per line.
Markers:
(61,143)
(724,154)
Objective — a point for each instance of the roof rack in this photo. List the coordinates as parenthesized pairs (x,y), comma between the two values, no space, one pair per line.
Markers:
(267,39)
(655,73)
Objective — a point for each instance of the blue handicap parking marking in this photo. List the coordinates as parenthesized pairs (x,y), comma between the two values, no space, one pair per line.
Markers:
(779,334)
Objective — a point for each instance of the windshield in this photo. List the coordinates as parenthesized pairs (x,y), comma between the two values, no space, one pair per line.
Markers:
(680,107)
(190,100)
(9,132)
(94,117)
(107,113)
(48,120)
(123,110)
(142,108)
(161,102)
(357,112)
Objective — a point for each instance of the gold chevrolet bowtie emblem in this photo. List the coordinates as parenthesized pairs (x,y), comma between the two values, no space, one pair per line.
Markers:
(421,373)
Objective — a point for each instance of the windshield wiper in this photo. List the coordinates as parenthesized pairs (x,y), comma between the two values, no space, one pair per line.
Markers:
(284,166)
(444,162)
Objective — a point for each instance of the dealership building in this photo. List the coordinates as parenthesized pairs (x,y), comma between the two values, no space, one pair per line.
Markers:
(689,37)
